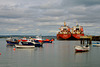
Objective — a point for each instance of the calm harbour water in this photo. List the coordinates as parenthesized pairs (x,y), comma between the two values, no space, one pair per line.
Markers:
(58,54)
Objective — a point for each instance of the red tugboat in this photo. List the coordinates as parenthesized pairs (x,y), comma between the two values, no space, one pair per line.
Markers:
(77,31)
(64,33)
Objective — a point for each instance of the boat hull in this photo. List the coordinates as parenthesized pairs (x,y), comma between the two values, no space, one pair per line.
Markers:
(27,43)
(96,44)
(81,49)
(24,46)
(23,40)
(12,42)
(77,36)
(44,41)
(47,41)
(63,36)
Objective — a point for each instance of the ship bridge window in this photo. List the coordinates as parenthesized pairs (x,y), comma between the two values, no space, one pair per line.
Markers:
(64,29)
(77,28)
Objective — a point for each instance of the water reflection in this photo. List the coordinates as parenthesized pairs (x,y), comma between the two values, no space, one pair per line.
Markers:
(80,52)
(49,45)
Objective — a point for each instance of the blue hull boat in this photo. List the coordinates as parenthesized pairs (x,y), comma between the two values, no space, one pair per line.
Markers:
(47,41)
(12,42)
(96,44)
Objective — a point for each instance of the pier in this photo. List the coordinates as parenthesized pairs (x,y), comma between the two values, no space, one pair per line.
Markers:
(89,39)
(86,38)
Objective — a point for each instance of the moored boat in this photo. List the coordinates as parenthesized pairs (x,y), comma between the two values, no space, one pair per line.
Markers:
(96,44)
(32,42)
(82,48)
(24,46)
(12,41)
(64,33)
(77,31)
(39,39)
(48,41)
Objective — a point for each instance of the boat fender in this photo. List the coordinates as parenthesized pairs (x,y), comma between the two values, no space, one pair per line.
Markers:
(14,49)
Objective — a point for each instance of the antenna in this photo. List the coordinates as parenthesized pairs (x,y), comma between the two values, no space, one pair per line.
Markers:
(76,22)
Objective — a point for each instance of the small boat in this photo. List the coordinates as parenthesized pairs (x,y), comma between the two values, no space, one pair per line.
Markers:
(39,39)
(48,41)
(12,41)
(96,44)
(82,48)
(24,46)
(32,42)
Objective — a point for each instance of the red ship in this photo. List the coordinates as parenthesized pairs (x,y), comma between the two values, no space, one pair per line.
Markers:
(64,33)
(77,31)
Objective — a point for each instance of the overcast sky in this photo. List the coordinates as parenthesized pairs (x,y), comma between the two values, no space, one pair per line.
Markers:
(46,16)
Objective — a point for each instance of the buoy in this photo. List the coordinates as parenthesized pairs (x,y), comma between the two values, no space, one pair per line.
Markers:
(14,49)
(0,53)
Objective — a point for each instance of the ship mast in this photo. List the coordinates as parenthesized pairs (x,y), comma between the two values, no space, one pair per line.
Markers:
(76,23)
(64,23)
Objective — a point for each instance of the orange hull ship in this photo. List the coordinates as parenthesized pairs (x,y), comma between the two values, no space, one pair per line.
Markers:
(63,36)
(64,33)
(77,32)
(77,36)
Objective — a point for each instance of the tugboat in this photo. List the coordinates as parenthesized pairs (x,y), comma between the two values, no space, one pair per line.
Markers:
(77,31)
(64,33)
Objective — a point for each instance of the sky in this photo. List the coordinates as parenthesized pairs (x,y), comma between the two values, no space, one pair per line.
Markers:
(44,17)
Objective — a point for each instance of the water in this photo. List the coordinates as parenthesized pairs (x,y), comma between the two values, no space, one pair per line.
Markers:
(58,54)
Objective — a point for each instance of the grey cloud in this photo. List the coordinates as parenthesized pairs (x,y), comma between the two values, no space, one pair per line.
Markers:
(88,2)
(80,2)
(55,12)
(31,15)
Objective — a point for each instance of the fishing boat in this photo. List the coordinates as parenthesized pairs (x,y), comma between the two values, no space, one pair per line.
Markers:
(96,44)
(48,41)
(12,41)
(24,39)
(24,46)
(31,42)
(82,48)
(64,33)
(77,32)
(39,39)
